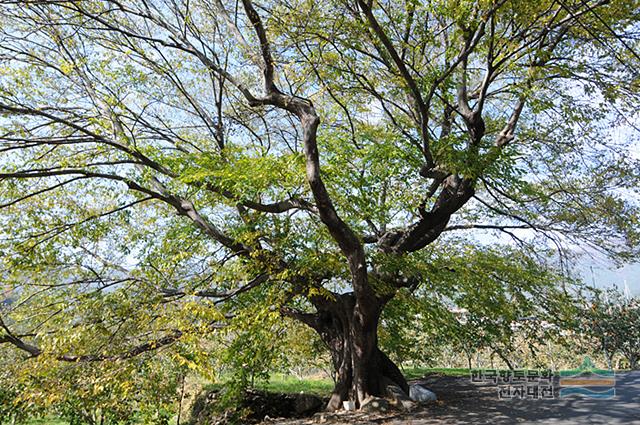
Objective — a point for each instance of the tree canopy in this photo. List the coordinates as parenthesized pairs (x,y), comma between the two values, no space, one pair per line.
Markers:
(177,169)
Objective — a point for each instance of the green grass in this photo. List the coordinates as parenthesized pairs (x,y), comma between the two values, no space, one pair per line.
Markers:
(290,384)
(282,383)
(419,372)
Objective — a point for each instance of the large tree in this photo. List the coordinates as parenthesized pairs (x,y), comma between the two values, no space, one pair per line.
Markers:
(296,158)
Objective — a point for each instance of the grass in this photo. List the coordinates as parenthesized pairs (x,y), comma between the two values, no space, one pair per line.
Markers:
(290,384)
(419,372)
(323,386)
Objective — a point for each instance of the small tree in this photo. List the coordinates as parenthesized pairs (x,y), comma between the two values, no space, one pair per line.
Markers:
(613,320)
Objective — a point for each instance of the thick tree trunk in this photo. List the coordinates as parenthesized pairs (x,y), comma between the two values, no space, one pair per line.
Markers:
(350,333)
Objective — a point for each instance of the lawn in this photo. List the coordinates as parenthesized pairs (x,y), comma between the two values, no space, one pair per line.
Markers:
(290,384)
(418,372)
(323,386)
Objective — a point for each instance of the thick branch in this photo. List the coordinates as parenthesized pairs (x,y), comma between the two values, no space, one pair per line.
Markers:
(265,48)
(454,194)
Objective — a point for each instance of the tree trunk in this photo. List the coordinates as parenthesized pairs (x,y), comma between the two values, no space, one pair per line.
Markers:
(350,332)
(632,358)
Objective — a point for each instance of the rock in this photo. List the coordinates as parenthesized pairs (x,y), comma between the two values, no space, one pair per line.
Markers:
(398,397)
(320,418)
(374,405)
(307,403)
(349,405)
(420,394)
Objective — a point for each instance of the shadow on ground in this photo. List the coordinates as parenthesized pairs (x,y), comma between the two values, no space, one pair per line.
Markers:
(463,402)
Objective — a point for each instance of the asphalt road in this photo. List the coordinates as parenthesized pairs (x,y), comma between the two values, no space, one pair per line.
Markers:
(482,406)
(624,408)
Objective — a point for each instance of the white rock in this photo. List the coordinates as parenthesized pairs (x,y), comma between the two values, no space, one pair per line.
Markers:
(349,405)
(420,394)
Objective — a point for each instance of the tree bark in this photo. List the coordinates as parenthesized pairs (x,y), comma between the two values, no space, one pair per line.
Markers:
(349,330)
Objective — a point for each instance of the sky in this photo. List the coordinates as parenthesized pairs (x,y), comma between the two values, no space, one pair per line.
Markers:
(601,271)
(604,274)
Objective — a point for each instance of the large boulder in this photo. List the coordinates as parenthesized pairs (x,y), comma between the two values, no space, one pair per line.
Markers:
(306,404)
(420,394)
(374,405)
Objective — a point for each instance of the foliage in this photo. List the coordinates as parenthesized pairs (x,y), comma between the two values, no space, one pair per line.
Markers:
(613,320)
(178,175)
(479,298)
(81,394)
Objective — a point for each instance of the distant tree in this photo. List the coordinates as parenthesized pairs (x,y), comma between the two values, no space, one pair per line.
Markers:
(613,320)
(178,170)
(490,300)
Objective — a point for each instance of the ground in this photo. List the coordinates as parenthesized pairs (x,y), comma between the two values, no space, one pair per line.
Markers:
(462,402)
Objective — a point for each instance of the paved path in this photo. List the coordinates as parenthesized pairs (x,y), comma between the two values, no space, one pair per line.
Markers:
(484,407)
(623,409)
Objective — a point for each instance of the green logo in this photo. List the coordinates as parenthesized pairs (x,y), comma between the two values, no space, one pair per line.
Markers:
(588,381)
